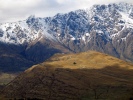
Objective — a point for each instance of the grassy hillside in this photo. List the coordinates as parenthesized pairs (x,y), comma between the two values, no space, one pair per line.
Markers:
(83,76)
(89,60)
(5,78)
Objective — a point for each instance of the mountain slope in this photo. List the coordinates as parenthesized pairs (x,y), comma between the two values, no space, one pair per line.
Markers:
(104,28)
(87,60)
(88,75)
(15,58)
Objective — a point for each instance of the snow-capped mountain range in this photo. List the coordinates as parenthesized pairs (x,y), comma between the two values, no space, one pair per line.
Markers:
(108,20)
(105,28)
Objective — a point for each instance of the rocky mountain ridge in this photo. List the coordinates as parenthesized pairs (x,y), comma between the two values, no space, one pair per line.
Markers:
(108,20)
(104,28)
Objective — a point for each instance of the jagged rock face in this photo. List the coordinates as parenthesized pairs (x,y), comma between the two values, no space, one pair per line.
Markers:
(104,28)
(101,28)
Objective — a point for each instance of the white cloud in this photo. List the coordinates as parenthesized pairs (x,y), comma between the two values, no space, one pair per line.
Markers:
(18,4)
(14,10)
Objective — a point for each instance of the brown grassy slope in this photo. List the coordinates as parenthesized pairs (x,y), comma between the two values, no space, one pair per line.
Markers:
(93,76)
(5,78)
(89,60)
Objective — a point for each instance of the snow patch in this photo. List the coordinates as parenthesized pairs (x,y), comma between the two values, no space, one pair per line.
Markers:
(127,19)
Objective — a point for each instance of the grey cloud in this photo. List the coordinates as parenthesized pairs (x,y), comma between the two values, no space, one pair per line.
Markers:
(15,11)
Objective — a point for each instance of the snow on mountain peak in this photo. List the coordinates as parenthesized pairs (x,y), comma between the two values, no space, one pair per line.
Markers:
(107,20)
(23,31)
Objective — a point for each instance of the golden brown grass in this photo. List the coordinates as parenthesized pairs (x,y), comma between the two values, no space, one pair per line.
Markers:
(89,60)
(83,76)
(6,78)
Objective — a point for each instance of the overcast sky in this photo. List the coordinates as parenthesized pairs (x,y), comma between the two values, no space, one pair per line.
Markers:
(14,10)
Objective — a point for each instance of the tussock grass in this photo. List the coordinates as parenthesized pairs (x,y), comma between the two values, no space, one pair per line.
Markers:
(6,78)
(83,76)
(89,60)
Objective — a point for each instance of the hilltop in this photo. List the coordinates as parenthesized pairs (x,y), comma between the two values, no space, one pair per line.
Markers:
(81,76)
